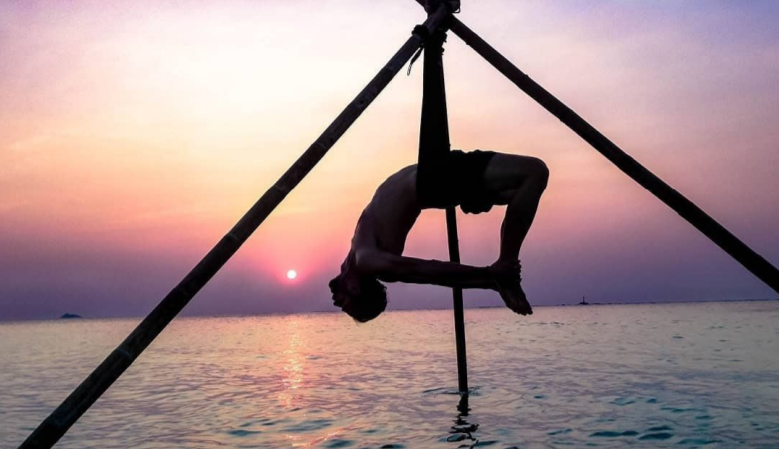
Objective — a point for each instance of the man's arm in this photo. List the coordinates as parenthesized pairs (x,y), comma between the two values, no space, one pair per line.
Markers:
(393,268)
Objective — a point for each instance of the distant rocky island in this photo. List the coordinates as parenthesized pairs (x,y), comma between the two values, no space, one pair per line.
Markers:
(69,316)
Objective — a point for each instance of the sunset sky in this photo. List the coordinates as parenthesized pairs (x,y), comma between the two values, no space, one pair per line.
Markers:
(133,135)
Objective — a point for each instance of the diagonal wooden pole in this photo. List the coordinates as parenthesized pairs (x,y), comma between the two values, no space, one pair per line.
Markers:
(79,401)
(433,145)
(737,249)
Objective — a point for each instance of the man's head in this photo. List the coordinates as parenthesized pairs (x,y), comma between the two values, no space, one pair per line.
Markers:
(361,297)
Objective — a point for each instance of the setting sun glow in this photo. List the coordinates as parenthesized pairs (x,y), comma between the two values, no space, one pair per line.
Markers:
(292,274)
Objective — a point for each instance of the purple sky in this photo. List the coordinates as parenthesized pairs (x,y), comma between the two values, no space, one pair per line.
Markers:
(133,137)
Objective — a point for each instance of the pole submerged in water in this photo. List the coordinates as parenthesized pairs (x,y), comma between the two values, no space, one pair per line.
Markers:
(78,402)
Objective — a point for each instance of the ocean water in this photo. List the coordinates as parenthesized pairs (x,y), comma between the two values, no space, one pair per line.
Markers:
(645,376)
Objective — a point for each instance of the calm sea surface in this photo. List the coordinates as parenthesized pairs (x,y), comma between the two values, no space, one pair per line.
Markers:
(647,376)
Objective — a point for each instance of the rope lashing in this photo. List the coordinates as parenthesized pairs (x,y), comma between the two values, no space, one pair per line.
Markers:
(423,33)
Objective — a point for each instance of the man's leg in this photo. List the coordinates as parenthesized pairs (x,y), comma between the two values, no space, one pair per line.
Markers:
(517,182)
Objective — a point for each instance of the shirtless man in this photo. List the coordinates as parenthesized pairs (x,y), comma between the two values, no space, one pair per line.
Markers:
(475,181)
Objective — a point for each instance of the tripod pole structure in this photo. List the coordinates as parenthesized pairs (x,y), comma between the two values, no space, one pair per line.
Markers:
(63,417)
(731,244)
(434,145)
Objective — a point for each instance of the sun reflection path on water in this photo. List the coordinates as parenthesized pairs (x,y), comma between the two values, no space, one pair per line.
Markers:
(293,365)
(293,374)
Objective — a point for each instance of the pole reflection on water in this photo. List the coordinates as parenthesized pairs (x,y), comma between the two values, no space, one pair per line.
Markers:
(462,430)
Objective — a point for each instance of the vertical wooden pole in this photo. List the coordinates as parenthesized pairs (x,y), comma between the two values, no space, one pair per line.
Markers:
(433,146)
(79,401)
(457,297)
(729,243)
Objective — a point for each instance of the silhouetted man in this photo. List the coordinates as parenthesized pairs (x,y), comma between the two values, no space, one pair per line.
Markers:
(475,181)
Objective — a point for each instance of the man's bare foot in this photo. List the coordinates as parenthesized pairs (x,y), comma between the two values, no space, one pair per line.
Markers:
(514,297)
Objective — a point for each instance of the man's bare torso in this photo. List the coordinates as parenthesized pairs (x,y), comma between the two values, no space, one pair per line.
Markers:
(389,217)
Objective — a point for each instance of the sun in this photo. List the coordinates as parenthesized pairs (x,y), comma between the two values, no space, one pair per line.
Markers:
(292,274)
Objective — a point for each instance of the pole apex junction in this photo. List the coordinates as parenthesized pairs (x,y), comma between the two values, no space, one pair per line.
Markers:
(432,5)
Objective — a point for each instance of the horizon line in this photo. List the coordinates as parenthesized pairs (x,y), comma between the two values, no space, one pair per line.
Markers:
(244,315)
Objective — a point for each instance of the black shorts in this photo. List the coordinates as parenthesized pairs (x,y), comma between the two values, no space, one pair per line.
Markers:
(455,180)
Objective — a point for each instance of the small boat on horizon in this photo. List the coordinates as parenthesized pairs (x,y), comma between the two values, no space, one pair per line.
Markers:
(584,303)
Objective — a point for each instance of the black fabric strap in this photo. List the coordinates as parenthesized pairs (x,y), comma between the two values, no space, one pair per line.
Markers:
(434,127)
